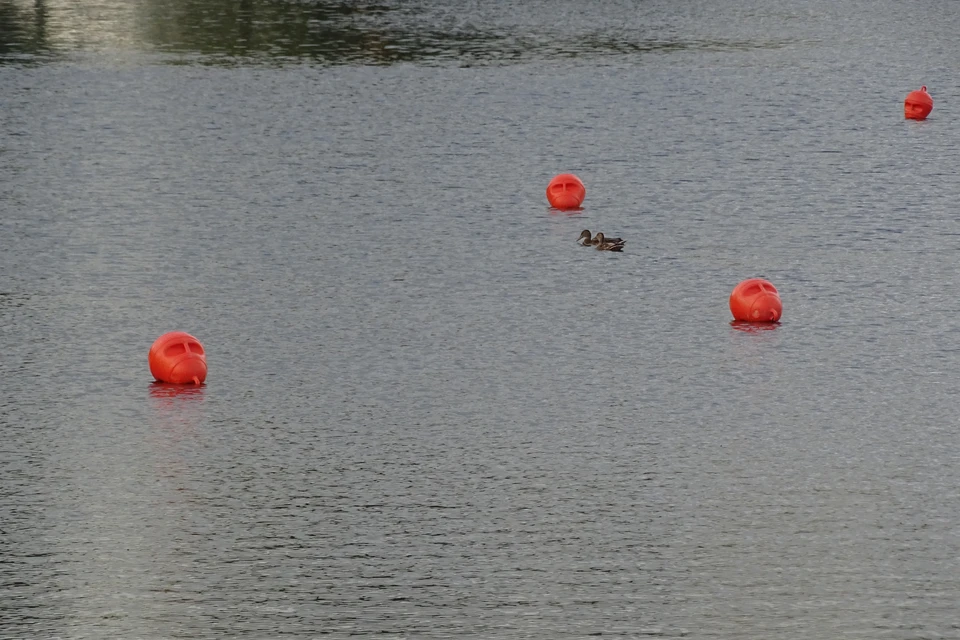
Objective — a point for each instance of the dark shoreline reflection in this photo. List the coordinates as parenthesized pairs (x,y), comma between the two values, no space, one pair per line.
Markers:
(22,30)
(333,33)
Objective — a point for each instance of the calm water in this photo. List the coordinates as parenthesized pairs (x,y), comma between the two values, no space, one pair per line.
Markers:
(429,413)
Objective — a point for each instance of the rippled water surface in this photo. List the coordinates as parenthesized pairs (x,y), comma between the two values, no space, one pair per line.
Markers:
(429,413)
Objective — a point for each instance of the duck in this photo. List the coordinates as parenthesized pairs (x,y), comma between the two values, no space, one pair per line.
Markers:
(613,240)
(608,244)
(587,240)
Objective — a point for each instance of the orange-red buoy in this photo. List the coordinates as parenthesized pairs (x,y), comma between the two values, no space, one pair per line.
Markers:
(918,104)
(179,358)
(756,300)
(566,191)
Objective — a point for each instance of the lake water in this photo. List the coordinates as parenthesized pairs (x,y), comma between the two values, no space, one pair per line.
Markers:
(429,413)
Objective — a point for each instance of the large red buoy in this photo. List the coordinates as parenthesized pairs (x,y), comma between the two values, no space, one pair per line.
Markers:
(918,104)
(179,358)
(756,300)
(566,191)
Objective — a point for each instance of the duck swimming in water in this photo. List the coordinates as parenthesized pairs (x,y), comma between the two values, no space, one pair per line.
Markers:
(606,239)
(608,244)
(594,241)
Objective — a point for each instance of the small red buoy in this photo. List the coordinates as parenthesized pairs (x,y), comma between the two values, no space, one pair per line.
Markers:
(179,358)
(918,104)
(756,300)
(566,191)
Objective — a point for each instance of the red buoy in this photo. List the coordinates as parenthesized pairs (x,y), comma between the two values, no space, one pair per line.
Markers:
(566,191)
(179,358)
(756,300)
(918,104)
